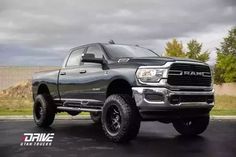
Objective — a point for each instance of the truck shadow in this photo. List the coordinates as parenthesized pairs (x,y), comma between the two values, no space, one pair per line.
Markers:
(85,132)
(82,136)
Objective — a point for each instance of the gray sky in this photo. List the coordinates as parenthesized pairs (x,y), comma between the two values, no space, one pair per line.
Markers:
(41,32)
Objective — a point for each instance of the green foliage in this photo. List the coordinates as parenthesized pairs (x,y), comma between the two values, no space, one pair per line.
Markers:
(225,69)
(228,46)
(174,49)
(194,51)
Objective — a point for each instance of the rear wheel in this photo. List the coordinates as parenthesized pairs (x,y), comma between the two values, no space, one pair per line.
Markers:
(191,126)
(44,110)
(120,118)
(73,113)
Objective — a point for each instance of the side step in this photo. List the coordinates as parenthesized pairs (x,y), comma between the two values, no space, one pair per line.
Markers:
(62,108)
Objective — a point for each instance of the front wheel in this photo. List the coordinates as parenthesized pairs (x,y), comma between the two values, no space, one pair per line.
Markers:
(120,118)
(191,126)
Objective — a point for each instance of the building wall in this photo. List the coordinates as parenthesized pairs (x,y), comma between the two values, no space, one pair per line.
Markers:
(11,75)
(225,89)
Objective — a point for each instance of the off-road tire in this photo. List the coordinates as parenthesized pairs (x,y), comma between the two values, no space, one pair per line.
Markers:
(44,110)
(129,118)
(196,125)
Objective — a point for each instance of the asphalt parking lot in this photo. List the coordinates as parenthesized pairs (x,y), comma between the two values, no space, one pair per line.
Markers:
(83,138)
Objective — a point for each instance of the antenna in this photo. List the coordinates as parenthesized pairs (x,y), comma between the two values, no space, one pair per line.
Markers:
(111,42)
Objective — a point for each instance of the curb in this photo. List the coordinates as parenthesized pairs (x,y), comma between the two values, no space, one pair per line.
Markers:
(223,117)
(83,117)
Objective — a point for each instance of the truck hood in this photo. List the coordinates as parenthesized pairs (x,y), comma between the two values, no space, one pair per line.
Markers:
(158,61)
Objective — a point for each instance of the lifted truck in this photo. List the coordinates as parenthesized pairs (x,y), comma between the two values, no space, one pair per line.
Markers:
(122,85)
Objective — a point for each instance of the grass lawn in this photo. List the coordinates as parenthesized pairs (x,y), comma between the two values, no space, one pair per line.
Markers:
(18,106)
(15,106)
(224,105)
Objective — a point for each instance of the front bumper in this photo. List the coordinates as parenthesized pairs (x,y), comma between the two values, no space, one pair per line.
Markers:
(159,101)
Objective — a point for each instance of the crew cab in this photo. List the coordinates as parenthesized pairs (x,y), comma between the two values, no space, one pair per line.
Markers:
(122,85)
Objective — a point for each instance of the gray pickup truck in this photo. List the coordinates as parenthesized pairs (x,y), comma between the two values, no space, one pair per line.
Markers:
(122,85)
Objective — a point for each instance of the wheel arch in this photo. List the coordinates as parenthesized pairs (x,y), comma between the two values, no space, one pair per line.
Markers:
(119,86)
(43,89)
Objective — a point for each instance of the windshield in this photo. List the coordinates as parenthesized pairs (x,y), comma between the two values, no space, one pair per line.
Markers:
(127,51)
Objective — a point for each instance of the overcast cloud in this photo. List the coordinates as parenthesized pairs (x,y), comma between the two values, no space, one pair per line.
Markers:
(41,32)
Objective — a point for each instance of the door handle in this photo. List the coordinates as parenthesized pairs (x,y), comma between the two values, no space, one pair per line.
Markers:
(82,71)
(62,73)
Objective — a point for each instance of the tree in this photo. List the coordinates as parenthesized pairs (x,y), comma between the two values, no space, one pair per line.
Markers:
(194,51)
(174,49)
(225,69)
(228,46)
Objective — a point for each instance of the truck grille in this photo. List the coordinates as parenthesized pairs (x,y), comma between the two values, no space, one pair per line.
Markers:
(182,74)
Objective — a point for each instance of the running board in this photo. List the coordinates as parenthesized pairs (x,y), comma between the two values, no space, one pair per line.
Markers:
(62,108)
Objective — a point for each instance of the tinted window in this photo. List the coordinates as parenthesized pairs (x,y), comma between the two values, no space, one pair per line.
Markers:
(96,50)
(122,51)
(75,57)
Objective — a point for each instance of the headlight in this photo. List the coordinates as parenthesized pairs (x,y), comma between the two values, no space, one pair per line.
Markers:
(149,75)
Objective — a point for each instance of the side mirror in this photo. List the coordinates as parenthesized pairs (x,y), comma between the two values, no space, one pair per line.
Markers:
(89,57)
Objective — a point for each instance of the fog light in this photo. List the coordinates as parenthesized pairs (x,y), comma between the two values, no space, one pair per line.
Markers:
(154,97)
